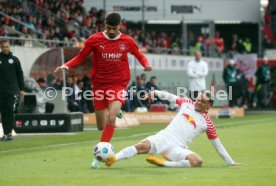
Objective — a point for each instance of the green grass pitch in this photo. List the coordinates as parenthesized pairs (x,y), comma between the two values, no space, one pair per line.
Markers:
(65,159)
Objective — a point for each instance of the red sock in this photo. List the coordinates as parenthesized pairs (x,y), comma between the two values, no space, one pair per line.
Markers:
(107,133)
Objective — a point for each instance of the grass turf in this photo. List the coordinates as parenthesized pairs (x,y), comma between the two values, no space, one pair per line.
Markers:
(65,160)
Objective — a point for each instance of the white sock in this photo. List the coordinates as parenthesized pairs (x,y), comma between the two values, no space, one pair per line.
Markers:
(181,163)
(126,153)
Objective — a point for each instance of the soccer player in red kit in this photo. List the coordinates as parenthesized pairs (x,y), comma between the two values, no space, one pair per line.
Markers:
(110,73)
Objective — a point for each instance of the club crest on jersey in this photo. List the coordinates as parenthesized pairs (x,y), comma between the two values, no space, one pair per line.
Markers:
(122,46)
(190,120)
(10,61)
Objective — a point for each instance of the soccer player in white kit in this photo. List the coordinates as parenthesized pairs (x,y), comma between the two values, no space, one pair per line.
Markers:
(173,141)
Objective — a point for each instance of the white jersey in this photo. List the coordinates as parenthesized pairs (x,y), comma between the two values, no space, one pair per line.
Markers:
(197,71)
(187,124)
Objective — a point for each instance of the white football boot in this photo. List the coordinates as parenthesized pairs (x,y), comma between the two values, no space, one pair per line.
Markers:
(95,164)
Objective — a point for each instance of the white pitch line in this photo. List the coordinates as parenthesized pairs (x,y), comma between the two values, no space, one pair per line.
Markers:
(95,129)
(47,134)
(131,136)
(61,133)
(243,122)
(73,143)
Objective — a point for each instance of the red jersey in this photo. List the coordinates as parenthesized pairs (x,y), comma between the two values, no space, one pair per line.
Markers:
(110,61)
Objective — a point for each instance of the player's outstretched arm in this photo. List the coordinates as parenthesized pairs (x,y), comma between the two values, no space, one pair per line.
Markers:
(77,60)
(223,152)
(162,95)
(148,68)
(236,164)
(141,58)
(60,68)
(213,137)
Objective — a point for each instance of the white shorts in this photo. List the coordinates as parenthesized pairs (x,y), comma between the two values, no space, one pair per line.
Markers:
(161,145)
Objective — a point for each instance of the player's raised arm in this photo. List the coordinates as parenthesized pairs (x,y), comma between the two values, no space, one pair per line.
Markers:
(77,60)
(167,96)
(162,95)
(213,137)
(141,58)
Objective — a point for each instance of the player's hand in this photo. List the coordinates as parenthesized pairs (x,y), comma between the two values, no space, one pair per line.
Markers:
(148,69)
(236,165)
(60,68)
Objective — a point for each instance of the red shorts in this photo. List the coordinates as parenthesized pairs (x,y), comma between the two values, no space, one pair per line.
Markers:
(102,97)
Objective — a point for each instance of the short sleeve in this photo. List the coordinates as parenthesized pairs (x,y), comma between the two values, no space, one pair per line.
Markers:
(180,100)
(211,129)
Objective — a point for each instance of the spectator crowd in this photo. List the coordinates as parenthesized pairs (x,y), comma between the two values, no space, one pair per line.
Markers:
(258,92)
(67,23)
(60,20)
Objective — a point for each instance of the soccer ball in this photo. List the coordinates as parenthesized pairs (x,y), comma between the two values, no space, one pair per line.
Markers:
(103,150)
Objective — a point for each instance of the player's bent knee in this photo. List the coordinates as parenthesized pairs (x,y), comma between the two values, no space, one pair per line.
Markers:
(196,163)
(195,160)
(100,128)
(143,147)
(111,118)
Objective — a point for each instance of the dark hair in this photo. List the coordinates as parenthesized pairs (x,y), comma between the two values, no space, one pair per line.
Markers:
(208,95)
(138,78)
(113,19)
(41,80)
(153,77)
(4,41)
(143,75)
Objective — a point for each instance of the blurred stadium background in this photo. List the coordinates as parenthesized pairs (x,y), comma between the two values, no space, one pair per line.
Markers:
(167,32)
(45,34)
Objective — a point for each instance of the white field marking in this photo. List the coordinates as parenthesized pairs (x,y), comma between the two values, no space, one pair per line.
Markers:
(61,133)
(244,122)
(95,129)
(73,143)
(126,137)
(48,134)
